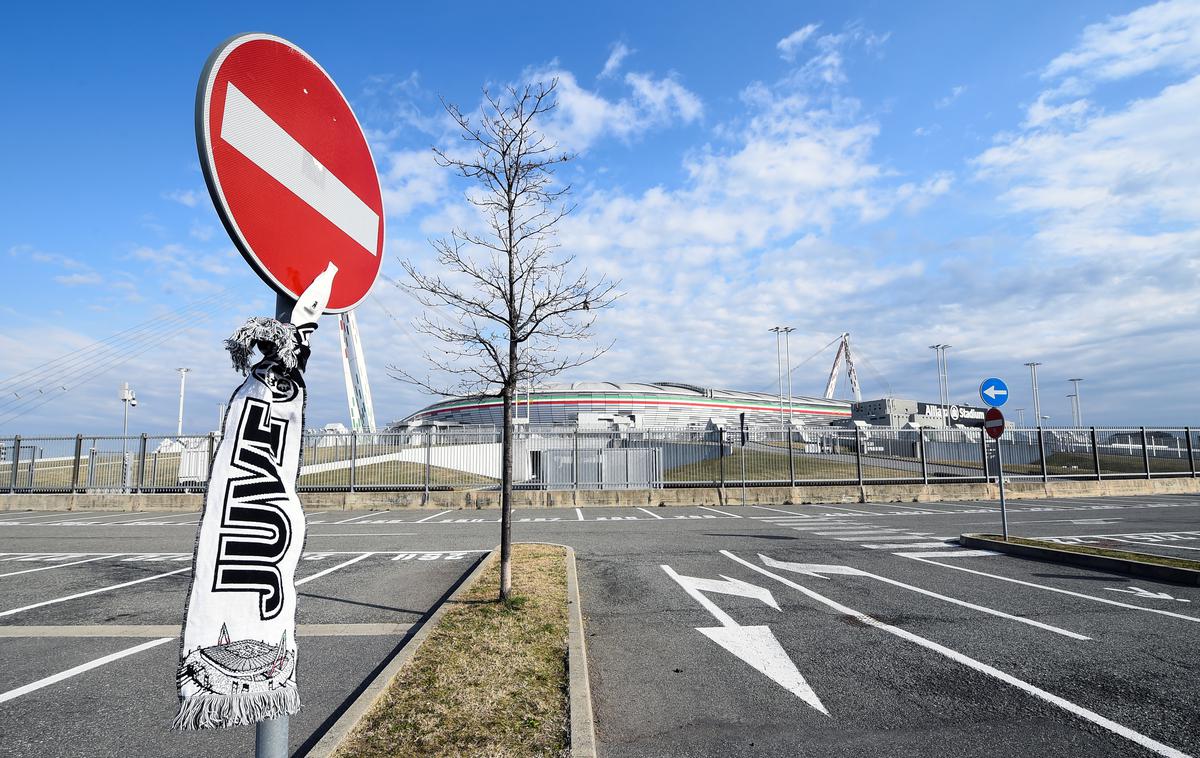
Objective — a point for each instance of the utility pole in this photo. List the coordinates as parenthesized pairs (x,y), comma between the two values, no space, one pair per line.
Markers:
(778,330)
(1074,410)
(1037,404)
(183,372)
(1078,402)
(943,380)
(128,400)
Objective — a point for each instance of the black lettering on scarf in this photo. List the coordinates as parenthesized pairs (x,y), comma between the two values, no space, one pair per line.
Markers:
(255,530)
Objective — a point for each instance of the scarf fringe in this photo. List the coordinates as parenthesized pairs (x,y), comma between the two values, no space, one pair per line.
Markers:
(273,338)
(207,710)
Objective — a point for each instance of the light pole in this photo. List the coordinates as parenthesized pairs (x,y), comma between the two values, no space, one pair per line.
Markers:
(779,370)
(1020,417)
(183,372)
(943,379)
(1037,405)
(787,362)
(1074,411)
(1078,403)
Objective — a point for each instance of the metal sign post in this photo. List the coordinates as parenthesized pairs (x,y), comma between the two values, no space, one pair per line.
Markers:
(742,439)
(993,424)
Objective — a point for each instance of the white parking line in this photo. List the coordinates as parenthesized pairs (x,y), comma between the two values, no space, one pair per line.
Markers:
(422,521)
(885,539)
(856,532)
(332,569)
(92,592)
(958,553)
(903,546)
(579,513)
(356,518)
(920,557)
(60,565)
(723,513)
(39,684)
(27,517)
(954,655)
(652,513)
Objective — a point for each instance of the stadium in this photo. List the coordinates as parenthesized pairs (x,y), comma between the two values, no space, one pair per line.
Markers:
(653,405)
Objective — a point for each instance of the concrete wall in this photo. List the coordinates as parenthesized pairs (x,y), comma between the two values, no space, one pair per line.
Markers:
(888,493)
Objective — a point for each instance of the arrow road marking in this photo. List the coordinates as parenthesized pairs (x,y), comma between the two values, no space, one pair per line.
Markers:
(755,645)
(983,668)
(255,135)
(1148,594)
(819,571)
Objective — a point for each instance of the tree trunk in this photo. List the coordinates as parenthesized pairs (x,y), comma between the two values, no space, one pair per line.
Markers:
(506,488)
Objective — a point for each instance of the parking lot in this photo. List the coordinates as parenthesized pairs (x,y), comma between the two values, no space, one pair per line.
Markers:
(766,630)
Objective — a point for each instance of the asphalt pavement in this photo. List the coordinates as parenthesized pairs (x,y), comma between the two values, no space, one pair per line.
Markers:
(815,630)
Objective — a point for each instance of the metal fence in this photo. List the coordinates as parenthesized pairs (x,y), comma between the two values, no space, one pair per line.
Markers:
(558,458)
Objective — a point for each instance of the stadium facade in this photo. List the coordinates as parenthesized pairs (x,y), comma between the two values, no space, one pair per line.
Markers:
(657,405)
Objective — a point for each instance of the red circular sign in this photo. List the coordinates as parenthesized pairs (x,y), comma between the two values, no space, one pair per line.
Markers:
(993,422)
(289,168)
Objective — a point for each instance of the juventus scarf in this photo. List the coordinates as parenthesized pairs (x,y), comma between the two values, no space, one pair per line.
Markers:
(238,648)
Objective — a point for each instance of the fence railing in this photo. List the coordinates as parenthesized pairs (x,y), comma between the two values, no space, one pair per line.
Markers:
(568,458)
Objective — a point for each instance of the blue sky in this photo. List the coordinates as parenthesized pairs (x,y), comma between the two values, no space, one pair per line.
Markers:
(1018,180)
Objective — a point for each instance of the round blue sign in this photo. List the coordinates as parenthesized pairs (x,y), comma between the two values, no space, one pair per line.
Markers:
(993,392)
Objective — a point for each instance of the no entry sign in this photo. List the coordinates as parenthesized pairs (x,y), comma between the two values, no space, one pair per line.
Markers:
(289,168)
(993,422)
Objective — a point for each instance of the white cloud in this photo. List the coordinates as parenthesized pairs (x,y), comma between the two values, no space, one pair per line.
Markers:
(1164,36)
(791,44)
(827,66)
(620,51)
(955,93)
(411,178)
(75,280)
(185,197)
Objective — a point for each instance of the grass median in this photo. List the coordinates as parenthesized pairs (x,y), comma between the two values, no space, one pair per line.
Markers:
(490,680)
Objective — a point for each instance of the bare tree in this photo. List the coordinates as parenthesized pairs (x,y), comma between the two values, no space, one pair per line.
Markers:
(504,300)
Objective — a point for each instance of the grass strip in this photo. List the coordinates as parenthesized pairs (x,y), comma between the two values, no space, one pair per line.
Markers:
(1126,555)
(490,680)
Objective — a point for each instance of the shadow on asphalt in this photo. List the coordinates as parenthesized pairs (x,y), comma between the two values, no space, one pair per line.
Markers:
(755,536)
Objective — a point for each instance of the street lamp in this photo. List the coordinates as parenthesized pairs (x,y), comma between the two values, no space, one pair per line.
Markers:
(943,378)
(1037,405)
(782,330)
(1078,404)
(183,372)
(1074,411)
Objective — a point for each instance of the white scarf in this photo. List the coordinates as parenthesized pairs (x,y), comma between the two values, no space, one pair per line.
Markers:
(238,648)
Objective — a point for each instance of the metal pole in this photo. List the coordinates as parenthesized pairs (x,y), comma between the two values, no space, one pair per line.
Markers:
(983,454)
(1145,452)
(787,363)
(1096,454)
(12,482)
(1187,430)
(742,439)
(858,435)
(125,447)
(921,455)
(353,458)
(721,435)
(271,738)
(1037,404)
(575,459)
(182,382)
(428,451)
(779,371)
(1078,404)
(75,465)
(141,469)
(791,459)
(1042,453)
(1003,508)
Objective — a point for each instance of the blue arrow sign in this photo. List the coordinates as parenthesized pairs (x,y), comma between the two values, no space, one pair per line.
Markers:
(993,392)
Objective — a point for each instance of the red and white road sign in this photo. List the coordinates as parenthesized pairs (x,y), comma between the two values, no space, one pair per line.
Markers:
(993,422)
(289,168)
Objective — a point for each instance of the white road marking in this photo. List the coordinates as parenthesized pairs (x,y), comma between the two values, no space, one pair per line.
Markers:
(255,135)
(60,565)
(579,513)
(817,527)
(364,534)
(903,546)
(332,569)
(46,682)
(754,645)
(814,570)
(1154,542)
(921,557)
(352,519)
(29,517)
(885,538)
(960,553)
(422,521)
(1148,594)
(860,533)
(652,513)
(92,592)
(723,513)
(1073,708)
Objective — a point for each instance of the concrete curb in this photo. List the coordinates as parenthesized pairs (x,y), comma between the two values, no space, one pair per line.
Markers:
(336,734)
(1084,560)
(583,730)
